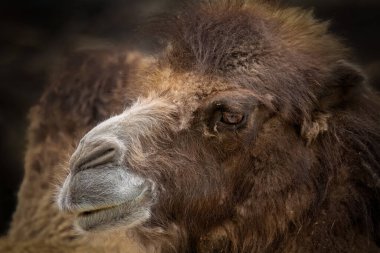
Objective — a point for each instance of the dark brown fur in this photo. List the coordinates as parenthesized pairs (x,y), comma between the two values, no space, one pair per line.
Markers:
(329,181)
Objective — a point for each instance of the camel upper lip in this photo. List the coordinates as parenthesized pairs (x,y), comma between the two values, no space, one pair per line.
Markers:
(146,193)
(110,187)
(85,211)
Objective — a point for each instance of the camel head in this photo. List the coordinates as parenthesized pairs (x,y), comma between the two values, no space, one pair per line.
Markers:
(225,127)
(180,146)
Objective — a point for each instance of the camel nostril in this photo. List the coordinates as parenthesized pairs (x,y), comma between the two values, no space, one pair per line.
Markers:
(100,155)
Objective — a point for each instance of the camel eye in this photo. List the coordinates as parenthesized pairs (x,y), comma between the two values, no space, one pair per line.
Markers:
(231,118)
(228,115)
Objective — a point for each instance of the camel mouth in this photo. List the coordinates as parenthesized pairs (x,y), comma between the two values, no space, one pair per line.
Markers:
(92,219)
(95,211)
(128,214)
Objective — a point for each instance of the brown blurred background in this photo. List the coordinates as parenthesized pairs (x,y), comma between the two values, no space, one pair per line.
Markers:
(34,33)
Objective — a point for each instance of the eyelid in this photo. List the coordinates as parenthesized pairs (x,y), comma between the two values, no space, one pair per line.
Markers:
(220,106)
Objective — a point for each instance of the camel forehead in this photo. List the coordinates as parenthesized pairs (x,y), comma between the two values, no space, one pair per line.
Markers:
(185,88)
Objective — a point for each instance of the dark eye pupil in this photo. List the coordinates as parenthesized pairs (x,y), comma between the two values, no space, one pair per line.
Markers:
(231,118)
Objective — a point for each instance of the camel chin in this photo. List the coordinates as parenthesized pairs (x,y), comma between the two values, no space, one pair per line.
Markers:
(112,197)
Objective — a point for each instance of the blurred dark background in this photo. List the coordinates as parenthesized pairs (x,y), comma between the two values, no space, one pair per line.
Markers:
(33,33)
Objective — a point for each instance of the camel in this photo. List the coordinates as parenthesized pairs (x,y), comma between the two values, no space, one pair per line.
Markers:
(252,131)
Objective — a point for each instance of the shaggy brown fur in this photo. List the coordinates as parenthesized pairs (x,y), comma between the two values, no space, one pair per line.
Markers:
(302,177)
(94,80)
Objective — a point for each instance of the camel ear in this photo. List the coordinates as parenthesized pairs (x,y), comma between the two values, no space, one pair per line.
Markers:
(341,89)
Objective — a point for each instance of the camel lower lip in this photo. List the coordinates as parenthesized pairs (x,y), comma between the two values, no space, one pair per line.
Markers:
(93,219)
(126,214)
